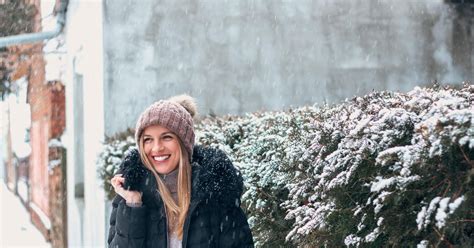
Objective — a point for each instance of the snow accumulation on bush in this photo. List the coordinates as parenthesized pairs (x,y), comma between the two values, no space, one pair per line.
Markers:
(111,156)
(380,170)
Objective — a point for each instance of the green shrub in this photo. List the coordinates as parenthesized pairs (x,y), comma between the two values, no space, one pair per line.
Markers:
(111,156)
(386,169)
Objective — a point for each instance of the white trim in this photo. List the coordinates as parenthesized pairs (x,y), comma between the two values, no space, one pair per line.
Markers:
(43,217)
(22,188)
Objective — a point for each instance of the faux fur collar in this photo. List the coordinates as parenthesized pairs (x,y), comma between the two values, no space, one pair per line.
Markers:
(213,177)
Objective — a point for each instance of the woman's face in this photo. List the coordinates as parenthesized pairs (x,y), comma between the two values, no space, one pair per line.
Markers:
(162,148)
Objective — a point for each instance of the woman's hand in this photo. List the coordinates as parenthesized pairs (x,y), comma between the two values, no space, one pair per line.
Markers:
(131,197)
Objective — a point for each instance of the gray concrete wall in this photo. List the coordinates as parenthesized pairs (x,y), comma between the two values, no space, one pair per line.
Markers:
(237,56)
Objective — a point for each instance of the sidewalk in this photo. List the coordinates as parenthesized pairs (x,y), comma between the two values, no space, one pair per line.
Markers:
(16,229)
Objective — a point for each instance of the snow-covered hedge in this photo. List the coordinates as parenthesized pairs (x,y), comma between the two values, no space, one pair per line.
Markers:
(110,158)
(386,169)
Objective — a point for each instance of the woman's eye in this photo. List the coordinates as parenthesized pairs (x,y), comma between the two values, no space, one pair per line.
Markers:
(146,140)
(167,137)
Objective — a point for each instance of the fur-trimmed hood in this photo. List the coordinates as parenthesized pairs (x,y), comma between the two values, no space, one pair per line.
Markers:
(213,177)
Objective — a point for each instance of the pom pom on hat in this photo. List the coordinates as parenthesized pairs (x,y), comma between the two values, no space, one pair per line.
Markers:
(187,102)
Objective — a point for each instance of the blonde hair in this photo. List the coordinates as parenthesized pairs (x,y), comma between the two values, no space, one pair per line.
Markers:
(173,209)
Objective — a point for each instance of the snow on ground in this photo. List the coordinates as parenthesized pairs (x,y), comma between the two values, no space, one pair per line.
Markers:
(16,229)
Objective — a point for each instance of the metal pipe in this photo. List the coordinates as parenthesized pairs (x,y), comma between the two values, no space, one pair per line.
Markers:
(34,37)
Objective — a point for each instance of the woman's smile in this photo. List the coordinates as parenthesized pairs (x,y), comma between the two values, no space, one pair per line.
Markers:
(162,148)
(161,158)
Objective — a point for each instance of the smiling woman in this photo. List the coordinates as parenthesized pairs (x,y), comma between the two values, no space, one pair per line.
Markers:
(161,148)
(171,193)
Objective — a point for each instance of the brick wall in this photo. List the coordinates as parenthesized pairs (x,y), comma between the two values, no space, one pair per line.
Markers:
(58,114)
(58,199)
(47,176)
(40,104)
(46,168)
(47,173)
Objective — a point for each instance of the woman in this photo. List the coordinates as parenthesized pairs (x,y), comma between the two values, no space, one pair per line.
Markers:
(171,193)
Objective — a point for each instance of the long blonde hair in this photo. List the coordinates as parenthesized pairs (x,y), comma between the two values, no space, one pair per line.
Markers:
(173,209)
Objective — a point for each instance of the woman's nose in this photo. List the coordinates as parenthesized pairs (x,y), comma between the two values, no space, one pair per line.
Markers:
(157,146)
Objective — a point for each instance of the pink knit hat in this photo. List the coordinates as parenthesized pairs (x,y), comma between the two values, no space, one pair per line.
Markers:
(176,114)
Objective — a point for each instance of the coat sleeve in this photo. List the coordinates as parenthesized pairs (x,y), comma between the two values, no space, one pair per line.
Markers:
(127,225)
(234,229)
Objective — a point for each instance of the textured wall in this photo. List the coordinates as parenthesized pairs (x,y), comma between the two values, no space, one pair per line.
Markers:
(248,55)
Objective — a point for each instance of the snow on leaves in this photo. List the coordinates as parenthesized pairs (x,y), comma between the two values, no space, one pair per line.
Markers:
(376,169)
(370,150)
(442,207)
(111,157)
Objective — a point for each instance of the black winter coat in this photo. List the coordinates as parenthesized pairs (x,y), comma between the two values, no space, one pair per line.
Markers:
(214,219)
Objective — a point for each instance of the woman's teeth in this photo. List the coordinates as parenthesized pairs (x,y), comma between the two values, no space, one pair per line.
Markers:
(161,158)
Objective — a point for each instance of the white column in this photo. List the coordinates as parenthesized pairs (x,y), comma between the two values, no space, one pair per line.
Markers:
(94,215)
(84,38)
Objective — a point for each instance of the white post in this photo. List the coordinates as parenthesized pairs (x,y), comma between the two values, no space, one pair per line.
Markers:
(84,38)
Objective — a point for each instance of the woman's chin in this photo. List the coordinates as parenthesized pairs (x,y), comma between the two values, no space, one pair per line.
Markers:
(162,168)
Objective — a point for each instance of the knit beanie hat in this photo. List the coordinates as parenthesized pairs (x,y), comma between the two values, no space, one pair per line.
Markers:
(176,114)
